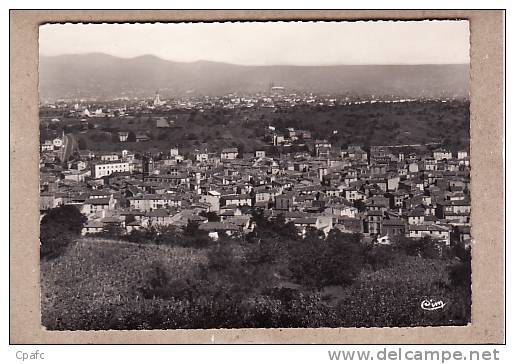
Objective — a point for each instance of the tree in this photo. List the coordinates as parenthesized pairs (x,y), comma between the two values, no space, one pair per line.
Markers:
(138,236)
(360,205)
(129,219)
(211,216)
(68,217)
(424,247)
(379,256)
(318,262)
(194,237)
(273,151)
(112,231)
(82,144)
(262,252)
(114,138)
(58,228)
(283,228)
(460,274)
(191,229)
(162,136)
(168,235)
(342,258)
(276,227)
(131,137)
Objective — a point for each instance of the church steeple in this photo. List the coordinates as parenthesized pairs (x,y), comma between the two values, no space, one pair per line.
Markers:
(157,100)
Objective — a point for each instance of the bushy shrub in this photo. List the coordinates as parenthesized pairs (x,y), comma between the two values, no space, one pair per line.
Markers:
(460,277)
(337,260)
(221,257)
(262,252)
(460,274)
(111,231)
(191,237)
(58,228)
(424,247)
(379,256)
(194,237)
(53,240)
(142,236)
(275,227)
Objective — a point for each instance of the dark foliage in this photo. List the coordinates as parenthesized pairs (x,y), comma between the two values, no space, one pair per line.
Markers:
(58,228)
(360,205)
(221,257)
(82,144)
(424,247)
(318,262)
(211,216)
(275,278)
(274,227)
(379,256)
(194,237)
(111,231)
(131,137)
(460,273)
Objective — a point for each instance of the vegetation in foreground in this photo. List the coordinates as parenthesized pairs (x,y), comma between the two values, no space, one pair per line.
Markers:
(167,278)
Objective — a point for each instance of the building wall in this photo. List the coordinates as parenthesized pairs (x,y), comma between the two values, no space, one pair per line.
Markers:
(213,201)
(228,155)
(102,170)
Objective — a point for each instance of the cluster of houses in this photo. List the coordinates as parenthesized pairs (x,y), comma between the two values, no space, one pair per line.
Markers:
(275,97)
(51,145)
(383,192)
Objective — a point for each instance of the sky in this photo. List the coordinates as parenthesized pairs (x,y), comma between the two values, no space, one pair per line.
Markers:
(269,43)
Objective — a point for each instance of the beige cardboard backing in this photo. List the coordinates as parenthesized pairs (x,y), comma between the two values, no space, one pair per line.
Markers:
(487,64)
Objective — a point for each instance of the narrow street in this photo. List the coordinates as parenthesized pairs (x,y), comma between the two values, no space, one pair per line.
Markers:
(69,146)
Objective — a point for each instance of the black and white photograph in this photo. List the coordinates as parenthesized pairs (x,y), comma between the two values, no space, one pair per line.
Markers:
(275,174)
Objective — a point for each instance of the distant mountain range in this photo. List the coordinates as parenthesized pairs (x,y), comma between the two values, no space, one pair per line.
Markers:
(98,75)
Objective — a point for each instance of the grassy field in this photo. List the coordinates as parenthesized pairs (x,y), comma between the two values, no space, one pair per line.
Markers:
(97,284)
(96,274)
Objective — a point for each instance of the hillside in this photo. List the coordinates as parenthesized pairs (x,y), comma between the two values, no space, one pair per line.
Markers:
(102,284)
(102,76)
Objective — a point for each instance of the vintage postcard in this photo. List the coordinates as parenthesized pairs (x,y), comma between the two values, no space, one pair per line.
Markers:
(256,175)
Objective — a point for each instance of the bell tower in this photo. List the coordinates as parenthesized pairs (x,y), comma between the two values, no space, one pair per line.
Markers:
(148,165)
(157,99)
